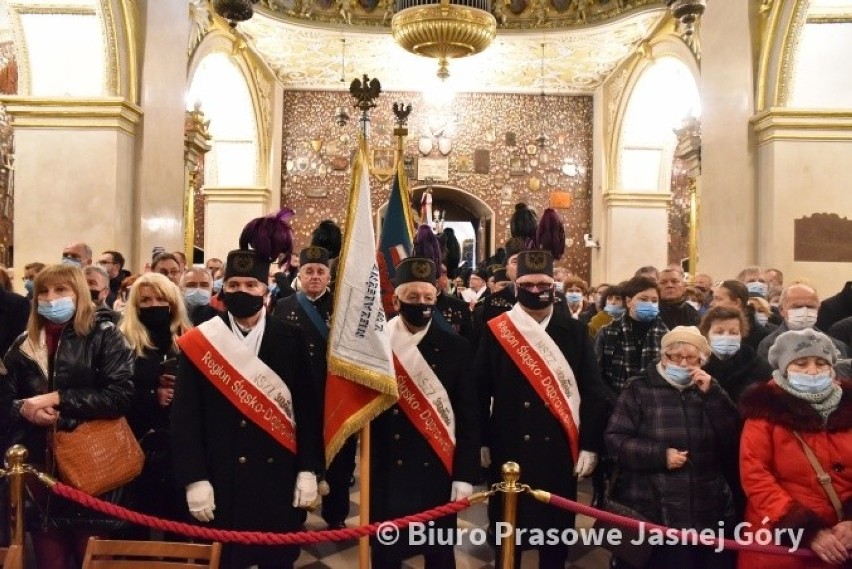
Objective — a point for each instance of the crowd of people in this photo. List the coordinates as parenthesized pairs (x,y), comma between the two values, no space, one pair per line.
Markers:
(697,402)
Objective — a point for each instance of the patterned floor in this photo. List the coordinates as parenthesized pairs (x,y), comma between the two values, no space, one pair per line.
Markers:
(345,554)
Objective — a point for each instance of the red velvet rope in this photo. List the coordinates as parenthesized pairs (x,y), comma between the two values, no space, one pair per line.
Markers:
(251,537)
(577,507)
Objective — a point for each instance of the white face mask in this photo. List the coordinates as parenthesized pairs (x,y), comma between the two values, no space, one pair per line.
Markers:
(801,318)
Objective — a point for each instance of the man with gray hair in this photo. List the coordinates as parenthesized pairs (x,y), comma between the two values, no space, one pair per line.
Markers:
(98,281)
(799,305)
(77,254)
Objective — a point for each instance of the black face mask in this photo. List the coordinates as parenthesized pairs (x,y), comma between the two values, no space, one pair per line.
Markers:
(418,315)
(157,320)
(242,304)
(95,294)
(535,300)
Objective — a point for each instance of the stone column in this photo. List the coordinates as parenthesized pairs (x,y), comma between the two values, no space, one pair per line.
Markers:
(226,212)
(727,238)
(160,159)
(74,175)
(636,231)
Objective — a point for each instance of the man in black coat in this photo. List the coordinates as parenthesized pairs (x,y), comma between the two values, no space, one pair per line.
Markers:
(835,308)
(521,425)
(673,307)
(310,309)
(452,314)
(14,313)
(409,471)
(246,424)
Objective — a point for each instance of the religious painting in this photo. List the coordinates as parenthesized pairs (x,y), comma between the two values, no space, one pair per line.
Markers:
(482,161)
(822,237)
(511,139)
(517,167)
(382,161)
(463,164)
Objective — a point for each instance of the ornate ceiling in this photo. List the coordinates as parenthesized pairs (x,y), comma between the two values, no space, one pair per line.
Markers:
(308,56)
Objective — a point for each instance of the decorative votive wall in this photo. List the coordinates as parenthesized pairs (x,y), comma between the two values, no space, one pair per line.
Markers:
(679,213)
(317,156)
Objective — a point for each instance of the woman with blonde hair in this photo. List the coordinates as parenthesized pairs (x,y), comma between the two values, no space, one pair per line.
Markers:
(71,366)
(154,317)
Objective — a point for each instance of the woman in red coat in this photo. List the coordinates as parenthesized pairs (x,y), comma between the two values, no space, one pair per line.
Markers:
(780,483)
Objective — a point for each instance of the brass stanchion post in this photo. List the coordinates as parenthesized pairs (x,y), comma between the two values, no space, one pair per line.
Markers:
(16,456)
(510,489)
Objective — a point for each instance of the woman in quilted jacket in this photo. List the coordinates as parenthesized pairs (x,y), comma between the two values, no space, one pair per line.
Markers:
(804,398)
(70,366)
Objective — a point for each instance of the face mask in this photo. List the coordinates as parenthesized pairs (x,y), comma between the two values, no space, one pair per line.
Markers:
(95,296)
(807,383)
(694,304)
(647,311)
(757,288)
(725,346)
(560,287)
(614,310)
(196,297)
(217,286)
(155,318)
(535,300)
(72,261)
(761,318)
(574,297)
(678,374)
(57,311)
(28,284)
(242,304)
(418,315)
(801,318)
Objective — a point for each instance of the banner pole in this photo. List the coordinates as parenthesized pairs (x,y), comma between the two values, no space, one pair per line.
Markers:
(364,502)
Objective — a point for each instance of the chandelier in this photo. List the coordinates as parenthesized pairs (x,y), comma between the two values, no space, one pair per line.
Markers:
(235,11)
(687,13)
(444,29)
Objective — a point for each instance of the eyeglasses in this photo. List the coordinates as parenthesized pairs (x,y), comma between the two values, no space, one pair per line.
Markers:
(104,263)
(680,358)
(533,286)
(169,273)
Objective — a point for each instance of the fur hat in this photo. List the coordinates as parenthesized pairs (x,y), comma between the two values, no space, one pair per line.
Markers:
(415,270)
(797,344)
(313,254)
(688,335)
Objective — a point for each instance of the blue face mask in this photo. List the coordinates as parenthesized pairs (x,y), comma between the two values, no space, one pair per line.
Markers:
(217,285)
(614,310)
(57,311)
(725,346)
(647,311)
(807,383)
(194,297)
(72,261)
(574,297)
(761,318)
(28,284)
(678,374)
(757,288)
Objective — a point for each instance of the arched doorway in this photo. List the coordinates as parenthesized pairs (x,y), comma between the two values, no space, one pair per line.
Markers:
(459,207)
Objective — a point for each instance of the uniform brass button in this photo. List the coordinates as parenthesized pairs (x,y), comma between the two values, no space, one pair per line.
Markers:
(396,437)
(526,437)
(270,460)
(426,465)
(433,366)
(396,411)
(547,439)
(399,463)
(243,423)
(526,404)
(241,460)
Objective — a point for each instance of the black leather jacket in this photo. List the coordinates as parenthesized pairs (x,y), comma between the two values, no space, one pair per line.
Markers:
(93,374)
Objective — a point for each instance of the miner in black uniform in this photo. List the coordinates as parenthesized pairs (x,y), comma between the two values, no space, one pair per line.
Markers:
(410,471)
(524,424)
(499,301)
(236,372)
(310,309)
(451,313)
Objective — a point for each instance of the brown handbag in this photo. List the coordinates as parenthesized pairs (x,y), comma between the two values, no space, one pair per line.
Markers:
(98,456)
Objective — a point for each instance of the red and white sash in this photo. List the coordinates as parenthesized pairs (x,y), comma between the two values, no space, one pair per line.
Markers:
(544,366)
(249,384)
(422,396)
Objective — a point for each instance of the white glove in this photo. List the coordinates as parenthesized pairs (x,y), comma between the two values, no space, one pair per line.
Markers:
(460,490)
(586,463)
(306,490)
(199,498)
(485,457)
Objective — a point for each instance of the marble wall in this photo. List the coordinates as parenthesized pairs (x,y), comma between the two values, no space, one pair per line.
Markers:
(316,157)
(679,213)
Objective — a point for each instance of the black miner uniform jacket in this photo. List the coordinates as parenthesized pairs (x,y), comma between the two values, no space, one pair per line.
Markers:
(521,429)
(407,475)
(289,310)
(456,313)
(253,476)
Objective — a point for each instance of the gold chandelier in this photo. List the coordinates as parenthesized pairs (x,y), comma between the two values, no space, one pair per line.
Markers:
(444,29)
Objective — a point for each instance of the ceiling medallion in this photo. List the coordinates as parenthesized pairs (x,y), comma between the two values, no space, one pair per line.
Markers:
(444,29)
(235,11)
